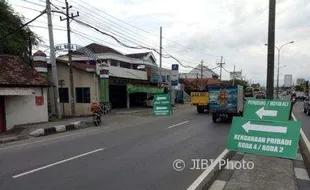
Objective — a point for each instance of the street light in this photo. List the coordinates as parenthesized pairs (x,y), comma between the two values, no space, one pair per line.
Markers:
(279,49)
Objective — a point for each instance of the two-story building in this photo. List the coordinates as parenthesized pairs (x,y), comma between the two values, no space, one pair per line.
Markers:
(132,77)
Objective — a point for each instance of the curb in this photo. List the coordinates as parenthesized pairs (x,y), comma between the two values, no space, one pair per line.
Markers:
(9,139)
(208,177)
(57,129)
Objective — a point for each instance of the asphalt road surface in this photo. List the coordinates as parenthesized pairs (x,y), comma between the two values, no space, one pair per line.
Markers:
(136,155)
(302,117)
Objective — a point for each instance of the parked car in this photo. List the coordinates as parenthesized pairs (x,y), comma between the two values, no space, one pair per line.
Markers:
(300,96)
(261,95)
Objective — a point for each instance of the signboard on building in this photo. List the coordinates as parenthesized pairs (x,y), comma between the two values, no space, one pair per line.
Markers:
(102,69)
(161,105)
(271,138)
(175,75)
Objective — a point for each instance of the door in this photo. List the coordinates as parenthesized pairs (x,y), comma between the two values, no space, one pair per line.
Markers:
(2,115)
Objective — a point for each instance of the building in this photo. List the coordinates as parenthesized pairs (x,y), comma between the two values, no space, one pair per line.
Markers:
(300,81)
(23,94)
(196,73)
(288,80)
(130,78)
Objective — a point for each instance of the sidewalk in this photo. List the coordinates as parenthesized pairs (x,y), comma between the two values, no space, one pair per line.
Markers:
(268,173)
(23,131)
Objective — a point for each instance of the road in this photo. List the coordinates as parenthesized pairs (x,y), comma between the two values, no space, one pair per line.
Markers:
(302,117)
(136,155)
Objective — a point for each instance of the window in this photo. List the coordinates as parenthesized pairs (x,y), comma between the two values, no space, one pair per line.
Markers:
(63,95)
(163,78)
(125,65)
(114,63)
(82,95)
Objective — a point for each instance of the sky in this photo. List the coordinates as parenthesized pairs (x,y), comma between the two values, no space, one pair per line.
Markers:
(192,31)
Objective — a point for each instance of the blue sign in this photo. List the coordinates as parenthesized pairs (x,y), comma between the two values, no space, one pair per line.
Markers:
(175,67)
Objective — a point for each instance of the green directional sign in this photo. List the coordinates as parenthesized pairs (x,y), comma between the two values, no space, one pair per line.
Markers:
(161,105)
(276,110)
(271,138)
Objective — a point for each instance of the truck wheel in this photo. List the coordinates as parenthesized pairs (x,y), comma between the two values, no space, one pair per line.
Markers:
(305,110)
(214,118)
(308,112)
(199,110)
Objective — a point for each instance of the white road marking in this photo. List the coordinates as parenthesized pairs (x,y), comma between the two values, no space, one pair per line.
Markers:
(177,124)
(49,139)
(301,173)
(209,169)
(56,163)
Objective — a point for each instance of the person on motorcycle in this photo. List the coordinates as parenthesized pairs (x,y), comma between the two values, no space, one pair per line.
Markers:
(96,107)
(293,101)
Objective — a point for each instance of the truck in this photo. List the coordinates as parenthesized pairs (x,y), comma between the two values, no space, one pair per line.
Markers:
(200,99)
(225,102)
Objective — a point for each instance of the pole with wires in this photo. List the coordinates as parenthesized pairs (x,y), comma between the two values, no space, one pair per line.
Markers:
(160,54)
(201,73)
(234,75)
(221,67)
(68,17)
(53,59)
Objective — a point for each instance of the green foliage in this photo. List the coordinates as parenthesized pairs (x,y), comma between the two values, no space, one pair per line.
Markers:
(299,88)
(17,43)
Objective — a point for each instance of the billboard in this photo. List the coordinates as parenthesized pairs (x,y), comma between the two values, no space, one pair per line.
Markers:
(236,75)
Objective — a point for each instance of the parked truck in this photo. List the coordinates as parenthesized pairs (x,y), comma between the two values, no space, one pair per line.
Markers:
(200,99)
(225,102)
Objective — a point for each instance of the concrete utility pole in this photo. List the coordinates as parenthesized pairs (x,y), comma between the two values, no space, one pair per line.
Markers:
(271,41)
(53,59)
(201,73)
(68,17)
(160,53)
(221,67)
(234,75)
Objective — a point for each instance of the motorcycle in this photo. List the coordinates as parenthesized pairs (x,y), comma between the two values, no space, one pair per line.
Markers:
(98,112)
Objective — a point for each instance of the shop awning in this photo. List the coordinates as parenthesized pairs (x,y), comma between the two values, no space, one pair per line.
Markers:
(147,89)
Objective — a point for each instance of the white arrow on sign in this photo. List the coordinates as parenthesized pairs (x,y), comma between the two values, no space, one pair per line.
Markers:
(161,108)
(265,128)
(262,112)
(161,98)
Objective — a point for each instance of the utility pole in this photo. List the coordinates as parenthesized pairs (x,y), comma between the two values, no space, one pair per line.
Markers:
(221,67)
(201,73)
(271,45)
(53,59)
(234,75)
(160,54)
(197,81)
(68,17)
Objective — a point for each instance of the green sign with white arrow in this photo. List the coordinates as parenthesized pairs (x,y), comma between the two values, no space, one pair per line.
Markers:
(276,110)
(161,105)
(271,138)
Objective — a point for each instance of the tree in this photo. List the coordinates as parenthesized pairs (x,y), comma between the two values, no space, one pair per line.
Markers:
(239,82)
(14,39)
(298,88)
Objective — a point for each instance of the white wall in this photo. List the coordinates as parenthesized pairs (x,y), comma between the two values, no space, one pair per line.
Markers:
(23,109)
(127,73)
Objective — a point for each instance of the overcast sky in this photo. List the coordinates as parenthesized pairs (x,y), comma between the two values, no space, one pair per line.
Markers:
(193,30)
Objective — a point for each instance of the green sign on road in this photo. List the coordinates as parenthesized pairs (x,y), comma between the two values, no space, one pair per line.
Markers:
(271,138)
(276,110)
(161,105)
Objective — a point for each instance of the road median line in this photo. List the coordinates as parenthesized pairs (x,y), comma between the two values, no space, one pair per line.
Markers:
(209,175)
(56,163)
(175,125)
